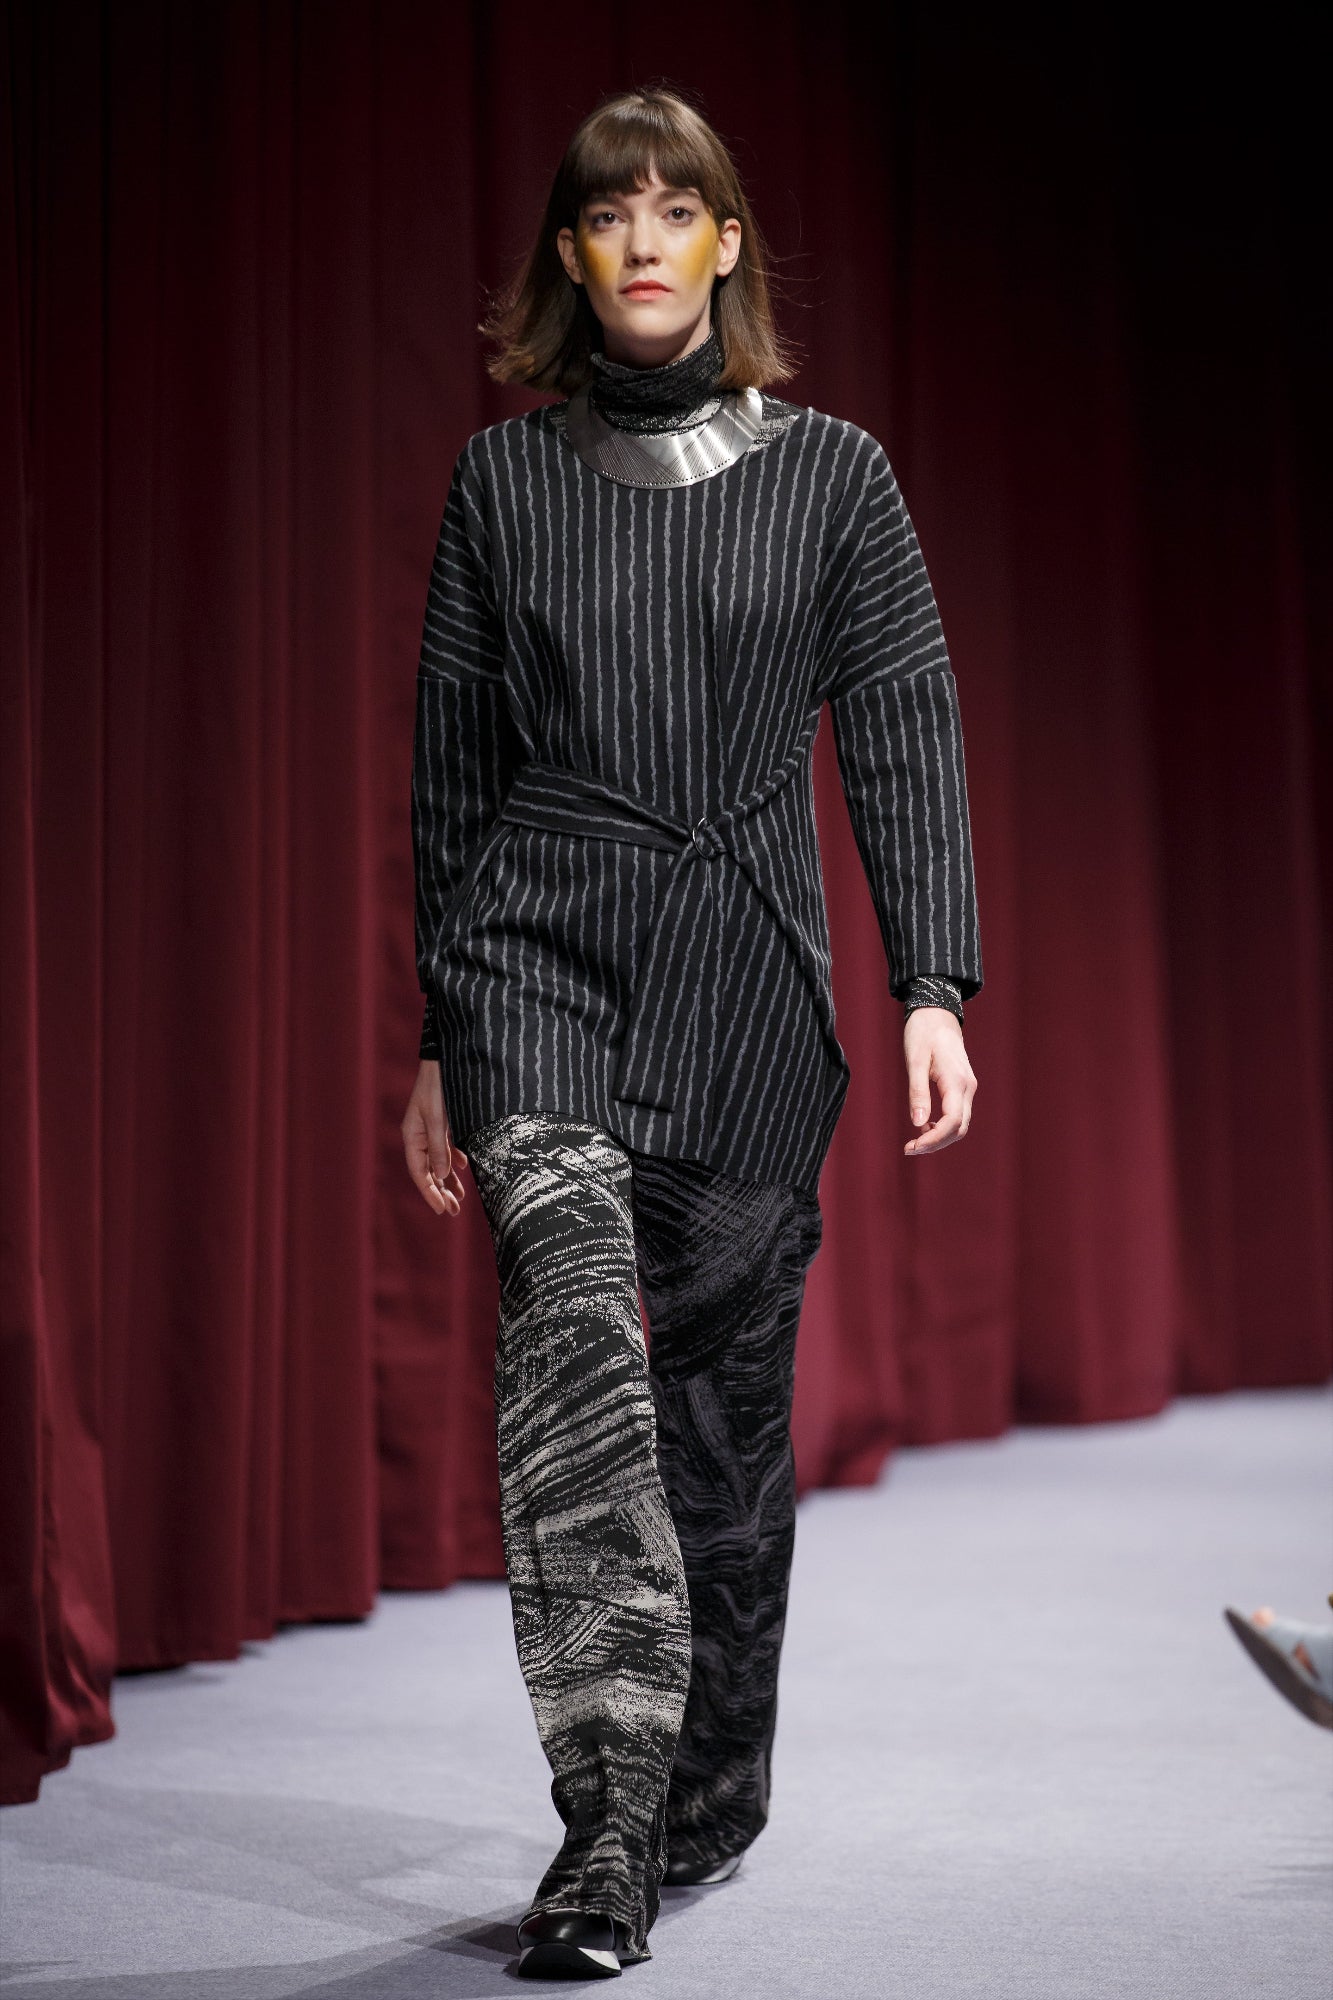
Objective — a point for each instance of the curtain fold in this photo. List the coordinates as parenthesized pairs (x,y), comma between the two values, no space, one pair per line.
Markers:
(246,247)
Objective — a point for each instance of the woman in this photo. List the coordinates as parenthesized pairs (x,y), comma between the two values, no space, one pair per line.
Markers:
(642,596)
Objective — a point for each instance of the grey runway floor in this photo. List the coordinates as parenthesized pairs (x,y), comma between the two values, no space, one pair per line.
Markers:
(1019,1755)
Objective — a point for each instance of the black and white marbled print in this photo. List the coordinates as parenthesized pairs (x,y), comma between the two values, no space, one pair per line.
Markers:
(722,1267)
(601,1611)
(648,1514)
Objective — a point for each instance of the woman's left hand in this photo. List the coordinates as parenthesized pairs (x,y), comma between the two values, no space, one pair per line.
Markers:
(934,1052)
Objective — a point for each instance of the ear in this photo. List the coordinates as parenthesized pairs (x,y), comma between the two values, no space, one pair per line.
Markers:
(569,255)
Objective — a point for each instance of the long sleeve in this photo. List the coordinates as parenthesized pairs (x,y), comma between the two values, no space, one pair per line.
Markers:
(464,747)
(899,742)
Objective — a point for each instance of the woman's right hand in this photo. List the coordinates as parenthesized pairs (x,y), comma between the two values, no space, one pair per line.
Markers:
(432,1157)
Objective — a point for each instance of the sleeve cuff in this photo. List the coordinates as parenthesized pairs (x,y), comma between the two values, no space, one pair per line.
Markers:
(430,1049)
(930,990)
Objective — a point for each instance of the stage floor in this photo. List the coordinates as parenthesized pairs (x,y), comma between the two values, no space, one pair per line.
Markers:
(1019,1757)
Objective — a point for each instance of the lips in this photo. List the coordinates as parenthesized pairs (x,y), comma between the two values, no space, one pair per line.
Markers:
(647,288)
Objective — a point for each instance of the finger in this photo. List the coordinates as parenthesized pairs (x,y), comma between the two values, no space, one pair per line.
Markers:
(437,1138)
(450,1183)
(446,1163)
(441,1167)
(918,1089)
(953,1099)
(956,1105)
(442,1200)
(947,1127)
(425,1180)
(934,1141)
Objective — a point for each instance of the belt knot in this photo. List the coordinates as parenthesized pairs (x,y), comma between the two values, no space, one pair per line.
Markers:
(664,1062)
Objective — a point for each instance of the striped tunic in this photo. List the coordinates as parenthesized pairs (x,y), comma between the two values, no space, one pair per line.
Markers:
(620,910)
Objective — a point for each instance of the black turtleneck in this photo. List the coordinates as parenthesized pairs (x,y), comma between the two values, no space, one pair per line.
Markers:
(656,399)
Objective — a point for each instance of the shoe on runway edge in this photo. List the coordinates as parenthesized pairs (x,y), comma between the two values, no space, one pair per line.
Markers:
(567,1944)
(1298,1659)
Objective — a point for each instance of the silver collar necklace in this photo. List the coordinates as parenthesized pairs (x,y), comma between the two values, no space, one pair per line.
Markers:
(664,458)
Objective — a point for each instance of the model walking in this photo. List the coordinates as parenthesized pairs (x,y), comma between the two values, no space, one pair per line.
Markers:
(641,599)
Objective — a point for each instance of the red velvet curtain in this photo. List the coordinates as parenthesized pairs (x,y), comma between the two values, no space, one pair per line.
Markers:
(1074,291)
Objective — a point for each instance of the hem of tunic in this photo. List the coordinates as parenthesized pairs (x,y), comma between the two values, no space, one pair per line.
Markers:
(639,1128)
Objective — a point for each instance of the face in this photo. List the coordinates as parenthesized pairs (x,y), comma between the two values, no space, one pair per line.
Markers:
(648,260)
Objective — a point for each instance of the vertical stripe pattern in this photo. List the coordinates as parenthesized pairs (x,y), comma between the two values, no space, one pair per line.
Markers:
(678,646)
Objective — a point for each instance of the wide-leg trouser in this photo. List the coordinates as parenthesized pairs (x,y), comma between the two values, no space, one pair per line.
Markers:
(648,1511)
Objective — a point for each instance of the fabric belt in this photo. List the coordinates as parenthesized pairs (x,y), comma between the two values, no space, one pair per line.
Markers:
(661,1040)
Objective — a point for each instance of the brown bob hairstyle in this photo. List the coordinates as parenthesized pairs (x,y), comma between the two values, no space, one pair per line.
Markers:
(542,320)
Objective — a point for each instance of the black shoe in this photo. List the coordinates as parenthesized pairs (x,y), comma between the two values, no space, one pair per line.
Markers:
(684,1874)
(568,1944)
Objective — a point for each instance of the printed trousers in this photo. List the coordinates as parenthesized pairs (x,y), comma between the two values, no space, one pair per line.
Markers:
(648,1505)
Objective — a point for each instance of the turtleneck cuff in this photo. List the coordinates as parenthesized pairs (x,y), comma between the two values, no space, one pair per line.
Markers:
(660,398)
